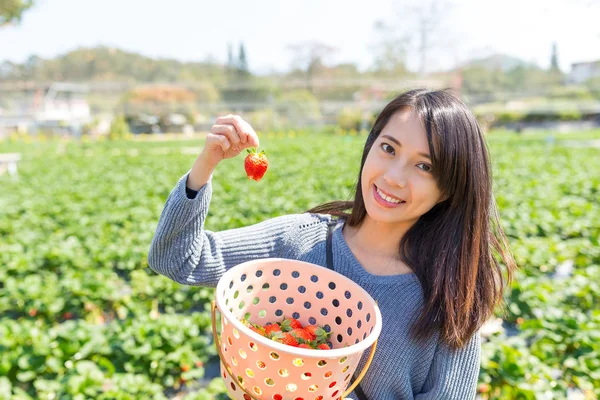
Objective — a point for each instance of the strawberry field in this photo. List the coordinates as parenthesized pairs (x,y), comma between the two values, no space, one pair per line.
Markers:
(82,316)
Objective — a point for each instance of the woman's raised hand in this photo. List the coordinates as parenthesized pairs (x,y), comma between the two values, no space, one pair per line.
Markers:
(228,137)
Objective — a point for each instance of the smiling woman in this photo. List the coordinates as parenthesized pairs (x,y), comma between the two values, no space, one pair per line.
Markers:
(398,175)
(427,150)
(419,237)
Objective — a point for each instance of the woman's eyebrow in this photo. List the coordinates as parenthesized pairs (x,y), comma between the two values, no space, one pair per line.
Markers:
(400,145)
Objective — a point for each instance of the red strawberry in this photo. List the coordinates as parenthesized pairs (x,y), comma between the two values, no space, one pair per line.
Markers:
(301,335)
(272,328)
(318,333)
(289,324)
(255,327)
(323,346)
(256,164)
(258,330)
(286,338)
(304,346)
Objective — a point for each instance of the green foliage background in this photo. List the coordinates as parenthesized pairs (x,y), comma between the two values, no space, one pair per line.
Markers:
(81,315)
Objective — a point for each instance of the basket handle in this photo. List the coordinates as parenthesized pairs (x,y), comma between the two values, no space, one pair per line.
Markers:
(221,356)
(363,372)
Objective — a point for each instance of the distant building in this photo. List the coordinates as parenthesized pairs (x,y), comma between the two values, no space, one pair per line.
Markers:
(57,106)
(582,71)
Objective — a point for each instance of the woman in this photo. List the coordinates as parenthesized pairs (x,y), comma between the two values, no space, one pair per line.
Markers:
(421,236)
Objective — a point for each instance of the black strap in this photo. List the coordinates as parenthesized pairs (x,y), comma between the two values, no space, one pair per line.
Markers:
(329,254)
(360,395)
(330,225)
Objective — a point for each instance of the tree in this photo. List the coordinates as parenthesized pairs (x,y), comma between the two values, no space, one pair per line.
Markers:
(119,128)
(12,10)
(390,51)
(243,62)
(299,105)
(230,62)
(111,64)
(158,99)
(419,27)
(309,57)
(554,58)
(428,16)
(479,80)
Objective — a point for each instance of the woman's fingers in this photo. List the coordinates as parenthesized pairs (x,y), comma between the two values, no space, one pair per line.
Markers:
(245,132)
(227,130)
(238,123)
(219,140)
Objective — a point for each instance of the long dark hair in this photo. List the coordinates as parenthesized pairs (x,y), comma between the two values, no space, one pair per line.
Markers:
(457,250)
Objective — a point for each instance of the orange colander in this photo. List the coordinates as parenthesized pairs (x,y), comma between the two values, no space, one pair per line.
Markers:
(262,291)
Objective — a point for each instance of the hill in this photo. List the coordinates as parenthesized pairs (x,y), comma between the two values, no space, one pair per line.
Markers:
(110,64)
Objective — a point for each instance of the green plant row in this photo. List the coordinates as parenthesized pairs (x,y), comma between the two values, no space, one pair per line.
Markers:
(82,316)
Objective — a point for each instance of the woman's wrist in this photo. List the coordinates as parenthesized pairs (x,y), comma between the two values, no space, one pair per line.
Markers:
(201,172)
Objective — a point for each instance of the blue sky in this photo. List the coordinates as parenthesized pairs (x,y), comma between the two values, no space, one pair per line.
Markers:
(196,29)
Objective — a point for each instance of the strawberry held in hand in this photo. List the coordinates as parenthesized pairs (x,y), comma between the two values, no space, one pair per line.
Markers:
(256,164)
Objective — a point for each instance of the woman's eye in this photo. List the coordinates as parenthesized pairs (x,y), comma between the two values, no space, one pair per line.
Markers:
(387,148)
(424,167)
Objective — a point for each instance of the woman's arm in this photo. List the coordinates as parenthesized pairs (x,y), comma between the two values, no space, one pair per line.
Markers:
(181,249)
(186,253)
(454,374)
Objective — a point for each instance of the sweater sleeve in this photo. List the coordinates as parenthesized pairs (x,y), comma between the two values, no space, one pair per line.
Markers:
(185,252)
(453,374)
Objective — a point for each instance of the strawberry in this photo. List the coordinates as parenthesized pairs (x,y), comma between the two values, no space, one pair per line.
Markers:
(256,164)
(301,335)
(320,334)
(286,338)
(258,330)
(254,327)
(272,328)
(289,324)
(291,332)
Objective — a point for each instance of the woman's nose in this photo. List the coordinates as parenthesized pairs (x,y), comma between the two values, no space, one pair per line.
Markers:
(396,176)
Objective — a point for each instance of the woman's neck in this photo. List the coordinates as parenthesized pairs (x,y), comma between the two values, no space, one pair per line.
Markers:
(375,238)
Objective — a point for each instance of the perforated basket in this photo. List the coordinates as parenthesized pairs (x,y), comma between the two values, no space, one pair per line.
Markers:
(262,291)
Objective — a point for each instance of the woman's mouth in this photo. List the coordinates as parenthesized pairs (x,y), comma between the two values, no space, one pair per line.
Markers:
(385,199)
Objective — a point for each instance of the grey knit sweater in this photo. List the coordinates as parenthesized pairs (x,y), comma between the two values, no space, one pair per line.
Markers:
(402,367)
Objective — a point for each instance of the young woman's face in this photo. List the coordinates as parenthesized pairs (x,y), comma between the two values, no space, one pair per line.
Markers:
(397,184)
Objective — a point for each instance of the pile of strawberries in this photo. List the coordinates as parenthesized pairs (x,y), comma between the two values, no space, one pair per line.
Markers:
(291,332)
